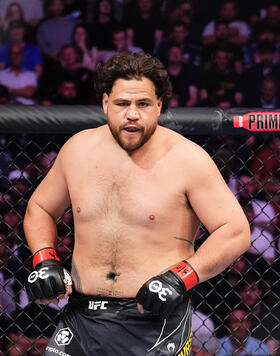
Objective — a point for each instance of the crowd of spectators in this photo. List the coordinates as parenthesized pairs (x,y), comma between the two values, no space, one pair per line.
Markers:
(222,53)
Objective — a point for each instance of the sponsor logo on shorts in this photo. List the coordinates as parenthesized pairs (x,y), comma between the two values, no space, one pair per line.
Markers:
(63,337)
(185,351)
(171,347)
(94,305)
(156,287)
(56,351)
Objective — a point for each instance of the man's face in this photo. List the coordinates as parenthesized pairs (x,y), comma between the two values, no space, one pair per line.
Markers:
(17,35)
(268,90)
(56,8)
(251,295)
(68,90)
(239,324)
(273,14)
(145,5)
(221,32)
(175,55)
(132,110)
(221,60)
(119,40)
(228,11)
(179,34)
(69,56)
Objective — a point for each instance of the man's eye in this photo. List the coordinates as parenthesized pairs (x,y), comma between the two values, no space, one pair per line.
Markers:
(122,104)
(143,105)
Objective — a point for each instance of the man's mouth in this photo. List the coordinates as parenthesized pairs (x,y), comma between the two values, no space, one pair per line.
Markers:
(131,129)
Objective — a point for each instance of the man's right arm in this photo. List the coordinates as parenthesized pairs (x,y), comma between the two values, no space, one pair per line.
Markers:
(48,281)
(45,206)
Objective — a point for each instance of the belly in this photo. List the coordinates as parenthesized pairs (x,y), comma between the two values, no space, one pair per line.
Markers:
(116,260)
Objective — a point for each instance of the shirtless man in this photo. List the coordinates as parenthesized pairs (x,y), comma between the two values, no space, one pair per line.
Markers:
(139,192)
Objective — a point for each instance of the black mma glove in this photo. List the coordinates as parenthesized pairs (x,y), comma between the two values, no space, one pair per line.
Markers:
(161,294)
(49,278)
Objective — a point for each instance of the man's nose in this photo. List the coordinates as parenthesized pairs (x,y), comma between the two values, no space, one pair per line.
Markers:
(132,113)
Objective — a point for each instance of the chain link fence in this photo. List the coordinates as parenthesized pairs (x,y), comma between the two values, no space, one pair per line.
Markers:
(237,310)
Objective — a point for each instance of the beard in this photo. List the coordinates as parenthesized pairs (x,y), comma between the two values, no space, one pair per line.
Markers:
(131,143)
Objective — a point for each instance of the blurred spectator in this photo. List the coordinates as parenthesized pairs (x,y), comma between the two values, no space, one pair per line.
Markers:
(67,93)
(263,307)
(70,67)
(21,84)
(32,60)
(271,18)
(39,167)
(239,30)
(120,45)
(254,75)
(82,41)
(103,25)
(239,341)
(32,327)
(182,78)
(179,36)
(183,11)
(203,333)
(222,80)
(7,280)
(222,41)
(32,9)
(56,31)
(144,25)
(262,211)
(266,166)
(14,12)
(265,34)
(268,96)
(262,241)
(70,61)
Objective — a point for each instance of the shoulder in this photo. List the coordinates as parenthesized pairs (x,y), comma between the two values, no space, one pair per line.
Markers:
(185,147)
(84,140)
(186,152)
(257,346)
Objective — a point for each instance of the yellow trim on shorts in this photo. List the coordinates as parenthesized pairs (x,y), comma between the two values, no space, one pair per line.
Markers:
(186,348)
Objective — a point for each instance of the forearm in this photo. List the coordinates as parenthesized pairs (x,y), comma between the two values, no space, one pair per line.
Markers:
(39,228)
(220,249)
(27,92)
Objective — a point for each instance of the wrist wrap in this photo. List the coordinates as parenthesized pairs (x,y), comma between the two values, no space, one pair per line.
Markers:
(187,274)
(46,253)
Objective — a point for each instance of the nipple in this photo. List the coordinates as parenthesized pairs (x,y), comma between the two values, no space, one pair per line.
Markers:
(152,217)
(78,209)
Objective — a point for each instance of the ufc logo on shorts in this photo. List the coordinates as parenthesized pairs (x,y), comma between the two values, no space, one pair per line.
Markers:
(38,274)
(156,287)
(97,305)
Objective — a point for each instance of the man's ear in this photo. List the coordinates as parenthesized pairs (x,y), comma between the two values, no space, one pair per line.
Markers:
(159,105)
(105,100)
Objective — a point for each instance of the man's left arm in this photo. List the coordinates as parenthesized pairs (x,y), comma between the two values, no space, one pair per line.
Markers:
(219,211)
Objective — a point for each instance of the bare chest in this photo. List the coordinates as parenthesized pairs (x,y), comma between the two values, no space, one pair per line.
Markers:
(126,194)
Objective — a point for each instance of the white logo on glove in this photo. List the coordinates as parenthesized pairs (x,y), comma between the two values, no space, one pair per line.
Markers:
(63,337)
(33,276)
(156,287)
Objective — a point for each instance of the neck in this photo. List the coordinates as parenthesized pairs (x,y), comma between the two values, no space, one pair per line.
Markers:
(238,344)
(17,70)
(175,68)
(104,18)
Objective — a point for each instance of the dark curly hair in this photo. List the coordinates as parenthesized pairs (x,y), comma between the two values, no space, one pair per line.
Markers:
(133,66)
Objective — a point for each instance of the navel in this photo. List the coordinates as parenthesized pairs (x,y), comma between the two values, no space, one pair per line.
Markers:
(112,275)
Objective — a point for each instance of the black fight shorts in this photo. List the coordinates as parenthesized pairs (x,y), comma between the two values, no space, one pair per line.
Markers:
(99,326)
